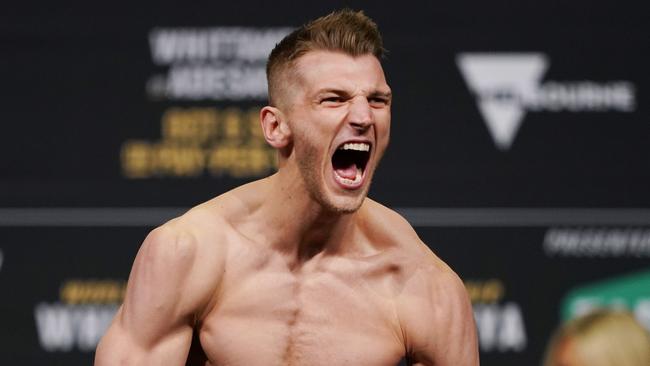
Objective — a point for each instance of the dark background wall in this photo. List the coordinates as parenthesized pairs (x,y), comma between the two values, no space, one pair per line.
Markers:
(519,152)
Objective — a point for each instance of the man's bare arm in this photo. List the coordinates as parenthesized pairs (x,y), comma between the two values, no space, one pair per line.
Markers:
(166,290)
(439,322)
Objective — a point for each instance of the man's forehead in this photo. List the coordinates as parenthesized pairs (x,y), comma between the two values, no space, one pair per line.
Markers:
(333,69)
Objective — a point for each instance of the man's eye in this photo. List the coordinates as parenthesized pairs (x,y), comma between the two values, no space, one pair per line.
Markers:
(378,101)
(332,100)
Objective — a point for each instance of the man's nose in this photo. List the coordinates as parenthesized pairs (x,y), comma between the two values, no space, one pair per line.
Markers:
(360,116)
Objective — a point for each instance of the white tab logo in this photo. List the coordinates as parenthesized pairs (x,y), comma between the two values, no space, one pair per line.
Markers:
(507,85)
(499,83)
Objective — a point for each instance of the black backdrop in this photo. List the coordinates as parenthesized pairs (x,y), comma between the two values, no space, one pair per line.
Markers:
(117,118)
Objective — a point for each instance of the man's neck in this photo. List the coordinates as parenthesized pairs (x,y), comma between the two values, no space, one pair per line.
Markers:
(298,225)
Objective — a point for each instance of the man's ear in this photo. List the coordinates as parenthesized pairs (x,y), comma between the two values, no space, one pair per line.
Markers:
(276,130)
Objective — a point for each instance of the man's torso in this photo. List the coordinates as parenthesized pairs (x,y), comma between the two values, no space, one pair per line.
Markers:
(331,310)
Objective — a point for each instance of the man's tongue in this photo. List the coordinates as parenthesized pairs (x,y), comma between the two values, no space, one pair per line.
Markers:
(347,172)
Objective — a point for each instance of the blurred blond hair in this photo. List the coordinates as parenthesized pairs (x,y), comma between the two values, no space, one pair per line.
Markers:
(602,338)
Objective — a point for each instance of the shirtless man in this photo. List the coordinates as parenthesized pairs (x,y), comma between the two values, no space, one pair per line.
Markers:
(300,268)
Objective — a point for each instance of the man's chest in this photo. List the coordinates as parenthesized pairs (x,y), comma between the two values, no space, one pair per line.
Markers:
(272,317)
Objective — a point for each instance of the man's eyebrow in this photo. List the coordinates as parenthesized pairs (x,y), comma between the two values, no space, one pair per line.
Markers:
(332,90)
(385,94)
(376,93)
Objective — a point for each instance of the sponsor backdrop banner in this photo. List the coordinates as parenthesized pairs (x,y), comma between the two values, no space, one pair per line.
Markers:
(519,152)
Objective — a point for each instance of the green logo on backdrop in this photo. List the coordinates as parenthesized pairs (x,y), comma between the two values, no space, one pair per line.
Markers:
(630,292)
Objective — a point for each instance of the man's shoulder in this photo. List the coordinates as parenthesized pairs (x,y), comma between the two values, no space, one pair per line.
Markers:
(207,228)
(182,245)
(432,302)
(187,253)
(192,228)
(426,268)
(212,219)
(200,235)
(386,225)
(389,227)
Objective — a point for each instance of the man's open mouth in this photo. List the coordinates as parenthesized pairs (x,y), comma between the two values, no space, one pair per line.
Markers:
(349,162)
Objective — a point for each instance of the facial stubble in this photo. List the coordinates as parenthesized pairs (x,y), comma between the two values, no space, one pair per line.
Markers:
(310,170)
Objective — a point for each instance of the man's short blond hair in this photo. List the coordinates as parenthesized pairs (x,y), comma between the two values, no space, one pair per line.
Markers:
(347,31)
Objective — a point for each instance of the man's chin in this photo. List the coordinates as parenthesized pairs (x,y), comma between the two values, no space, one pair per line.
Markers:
(344,205)
(343,210)
(335,200)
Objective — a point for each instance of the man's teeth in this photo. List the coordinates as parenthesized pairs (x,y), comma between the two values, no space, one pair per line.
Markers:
(356,180)
(361,146)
